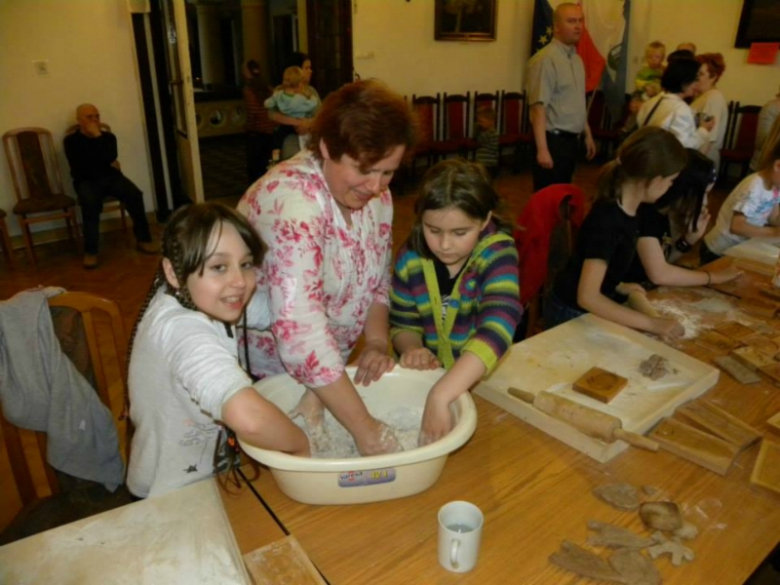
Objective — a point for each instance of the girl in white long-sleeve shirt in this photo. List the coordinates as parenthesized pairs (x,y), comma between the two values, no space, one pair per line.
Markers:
(669,111)
(185,380)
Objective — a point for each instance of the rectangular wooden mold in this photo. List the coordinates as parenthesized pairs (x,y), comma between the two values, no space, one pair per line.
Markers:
(720,423)
(694,445)
(751,358)
(766,471)
(554,359)
(600,384)
(734,330)
(762,344)
(774,422)
(737,370)
(716,342)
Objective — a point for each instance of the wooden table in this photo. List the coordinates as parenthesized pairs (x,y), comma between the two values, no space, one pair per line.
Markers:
(536,492)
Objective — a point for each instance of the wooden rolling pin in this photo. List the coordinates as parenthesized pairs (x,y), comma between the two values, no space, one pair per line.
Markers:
(588,420)
(638,301)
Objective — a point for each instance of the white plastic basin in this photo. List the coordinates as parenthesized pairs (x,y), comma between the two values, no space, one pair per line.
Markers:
(356,480)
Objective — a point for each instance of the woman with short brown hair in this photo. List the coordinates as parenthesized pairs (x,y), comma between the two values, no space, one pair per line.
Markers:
(326,215)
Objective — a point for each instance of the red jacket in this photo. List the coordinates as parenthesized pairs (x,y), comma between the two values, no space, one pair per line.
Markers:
(532,236)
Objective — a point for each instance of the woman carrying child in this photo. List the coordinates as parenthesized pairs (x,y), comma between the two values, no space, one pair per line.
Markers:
(455,297)
(295,99)
(647,164)
(671,227)
(752,210)
(185,380)
(301,126)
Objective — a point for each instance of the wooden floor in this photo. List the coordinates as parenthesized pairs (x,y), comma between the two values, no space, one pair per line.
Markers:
(125,275)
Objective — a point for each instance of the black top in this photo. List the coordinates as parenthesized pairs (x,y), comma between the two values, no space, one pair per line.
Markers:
(652,224)
(609,234)
(90,158)
(445,282)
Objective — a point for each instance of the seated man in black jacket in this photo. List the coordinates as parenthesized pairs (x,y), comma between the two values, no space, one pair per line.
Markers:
(92,154)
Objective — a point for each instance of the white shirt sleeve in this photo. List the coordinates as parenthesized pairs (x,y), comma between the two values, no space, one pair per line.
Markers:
(202,363)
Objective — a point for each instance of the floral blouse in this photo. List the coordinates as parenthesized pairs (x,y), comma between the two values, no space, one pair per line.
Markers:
(321,274)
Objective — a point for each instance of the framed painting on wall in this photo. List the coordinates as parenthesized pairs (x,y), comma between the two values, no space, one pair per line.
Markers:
(759,23)
(465,20)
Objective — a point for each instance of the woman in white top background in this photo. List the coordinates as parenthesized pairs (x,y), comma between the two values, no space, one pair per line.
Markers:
(669,111)
(711,103)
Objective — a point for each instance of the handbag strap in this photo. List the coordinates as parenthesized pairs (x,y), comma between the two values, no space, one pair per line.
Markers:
(650,115)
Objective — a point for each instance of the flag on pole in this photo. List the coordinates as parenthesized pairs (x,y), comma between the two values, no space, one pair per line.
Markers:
(602,47)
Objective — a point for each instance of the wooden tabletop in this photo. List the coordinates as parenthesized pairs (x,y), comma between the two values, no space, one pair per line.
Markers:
(536,492)
(252,524)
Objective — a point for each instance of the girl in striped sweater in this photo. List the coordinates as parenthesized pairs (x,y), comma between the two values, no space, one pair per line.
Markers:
(455,297)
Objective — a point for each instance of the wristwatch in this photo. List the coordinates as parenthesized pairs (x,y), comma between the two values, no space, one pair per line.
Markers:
(682,245)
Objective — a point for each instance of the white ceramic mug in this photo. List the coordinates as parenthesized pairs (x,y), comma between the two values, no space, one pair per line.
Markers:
(460,532)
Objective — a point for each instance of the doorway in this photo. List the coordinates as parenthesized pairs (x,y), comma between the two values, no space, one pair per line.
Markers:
(200,50)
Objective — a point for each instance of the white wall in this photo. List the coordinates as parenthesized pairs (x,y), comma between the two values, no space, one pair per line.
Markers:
(712,26)
(90,50)
(400,36)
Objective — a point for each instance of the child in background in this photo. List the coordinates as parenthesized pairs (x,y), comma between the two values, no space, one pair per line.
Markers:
(648,79)
(750,211)
(292,98)
(185,380)
(646,165)
(672,225)
(487,139)
(455,296)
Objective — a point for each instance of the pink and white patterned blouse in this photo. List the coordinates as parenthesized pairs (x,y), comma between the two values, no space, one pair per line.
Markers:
(321,275)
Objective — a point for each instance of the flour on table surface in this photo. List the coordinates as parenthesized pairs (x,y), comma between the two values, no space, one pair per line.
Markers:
(691,323)
(713,305)
(332,441)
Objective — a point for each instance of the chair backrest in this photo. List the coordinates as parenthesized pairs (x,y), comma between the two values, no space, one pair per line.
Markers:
(482,100)
(457,119)
(598,117)
(746,126)
(426,108)
(514,113)
(33,163)
(91,333)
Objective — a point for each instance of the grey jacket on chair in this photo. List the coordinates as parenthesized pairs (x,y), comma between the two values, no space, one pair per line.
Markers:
(41,390)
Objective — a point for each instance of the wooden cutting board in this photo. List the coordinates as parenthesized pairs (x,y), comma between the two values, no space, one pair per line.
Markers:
(282,561)
(554,359)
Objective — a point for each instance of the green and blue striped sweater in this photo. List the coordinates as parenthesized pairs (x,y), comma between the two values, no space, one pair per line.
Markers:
(484,308)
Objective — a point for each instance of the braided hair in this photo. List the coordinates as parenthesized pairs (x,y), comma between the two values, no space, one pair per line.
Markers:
(185,244)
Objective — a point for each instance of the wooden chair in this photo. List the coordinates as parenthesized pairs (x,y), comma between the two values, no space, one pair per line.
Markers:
(37,183)
(601,127)
(481,99)
(110,203)
(456,135)
(514,125)
(427,109)
(6,238)
(740,140)
(92,334)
